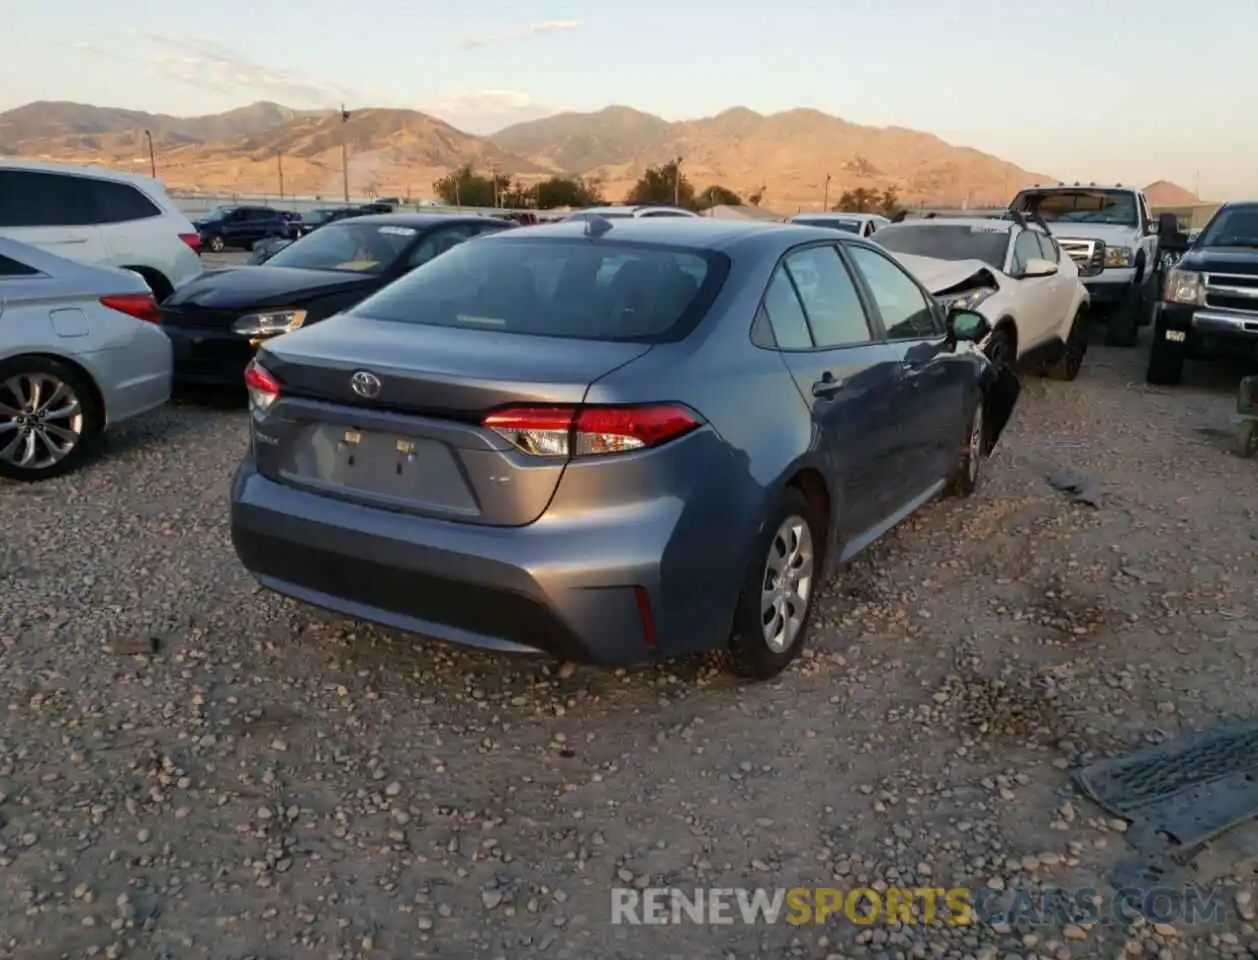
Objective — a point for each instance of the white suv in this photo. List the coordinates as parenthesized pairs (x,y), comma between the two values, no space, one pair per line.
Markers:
(100,217)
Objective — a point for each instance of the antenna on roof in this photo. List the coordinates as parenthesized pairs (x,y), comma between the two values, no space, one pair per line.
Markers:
(596,226)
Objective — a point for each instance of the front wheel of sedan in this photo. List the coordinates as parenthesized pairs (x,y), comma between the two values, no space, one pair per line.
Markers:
(969,469)
(775,607)
(48,417)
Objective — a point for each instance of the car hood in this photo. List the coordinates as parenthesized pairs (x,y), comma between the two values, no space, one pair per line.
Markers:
(943,276)
(1113,234)
(1237,260)
(262,286)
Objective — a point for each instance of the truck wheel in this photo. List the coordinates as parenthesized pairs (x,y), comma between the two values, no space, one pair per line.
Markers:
(1123,327)
(1166,361)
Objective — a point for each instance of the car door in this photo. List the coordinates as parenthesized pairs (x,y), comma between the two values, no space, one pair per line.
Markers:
(930,393)
(1036,300)
(123,213)
(845,376)
(51,211)
(1064,283)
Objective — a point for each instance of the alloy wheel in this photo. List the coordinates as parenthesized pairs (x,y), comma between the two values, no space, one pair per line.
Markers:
(41,420)
(787,586)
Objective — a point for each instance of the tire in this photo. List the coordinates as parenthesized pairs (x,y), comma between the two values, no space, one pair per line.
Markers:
(1123,327)
(1002,349)
(751,653)
(216,244)
(1068,365)
(969,470)
(51,454)
(1166,361)
(1245,442)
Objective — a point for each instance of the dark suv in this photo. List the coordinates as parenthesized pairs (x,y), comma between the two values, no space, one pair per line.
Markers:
(242,227)
(1209,307)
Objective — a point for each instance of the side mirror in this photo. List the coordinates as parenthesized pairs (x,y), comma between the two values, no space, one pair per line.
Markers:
(1039,268)
(1169,234)
(967,325)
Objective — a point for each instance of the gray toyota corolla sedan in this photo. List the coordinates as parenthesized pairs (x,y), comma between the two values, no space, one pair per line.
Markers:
(611,441)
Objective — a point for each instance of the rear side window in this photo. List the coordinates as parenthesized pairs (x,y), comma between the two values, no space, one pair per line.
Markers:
(828,293)
(120,202)
(557,288)
(30,199)
(786,313)
(15,268)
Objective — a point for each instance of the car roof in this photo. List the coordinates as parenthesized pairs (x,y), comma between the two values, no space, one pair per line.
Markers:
(992,224)
(67,169)
(700,233)
(425,220)
(840,217)
(1128,188)
(70,276)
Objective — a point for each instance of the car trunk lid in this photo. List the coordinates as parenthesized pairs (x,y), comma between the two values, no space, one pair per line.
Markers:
(414,442)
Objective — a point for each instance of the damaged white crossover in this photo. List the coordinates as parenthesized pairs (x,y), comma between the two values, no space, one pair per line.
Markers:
(1011,271)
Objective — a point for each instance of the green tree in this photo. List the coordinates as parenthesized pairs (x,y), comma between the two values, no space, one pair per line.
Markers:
(889,203)
(467,188)
(860,200)
(718,196)
(567,192)
(664,184)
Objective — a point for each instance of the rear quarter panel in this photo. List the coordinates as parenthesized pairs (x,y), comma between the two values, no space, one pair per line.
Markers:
(759,434)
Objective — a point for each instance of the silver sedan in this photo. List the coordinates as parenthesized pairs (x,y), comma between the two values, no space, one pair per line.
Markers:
(80,350)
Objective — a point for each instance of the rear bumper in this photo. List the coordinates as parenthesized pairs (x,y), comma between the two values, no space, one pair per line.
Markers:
(569,586)
(1206,334)
(208,356)
(135,378)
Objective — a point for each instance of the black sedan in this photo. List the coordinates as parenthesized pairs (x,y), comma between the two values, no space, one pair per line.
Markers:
(216,321)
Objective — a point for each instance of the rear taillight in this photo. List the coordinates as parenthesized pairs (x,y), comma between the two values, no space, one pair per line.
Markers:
(590,431)
(264,389)
(142,306)
(193,240)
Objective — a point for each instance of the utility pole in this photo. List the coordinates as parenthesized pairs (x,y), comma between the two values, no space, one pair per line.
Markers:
(493,172)
(279,162)
(152,158)
(345,151)
(677,183)
(825,203)
(1197,185)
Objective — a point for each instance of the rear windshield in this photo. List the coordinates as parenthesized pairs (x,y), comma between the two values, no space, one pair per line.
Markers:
(355,247)
(557,288)
(946,241)
(847,226)
(1080,206)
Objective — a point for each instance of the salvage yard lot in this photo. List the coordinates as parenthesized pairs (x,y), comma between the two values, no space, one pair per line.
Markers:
(192,768)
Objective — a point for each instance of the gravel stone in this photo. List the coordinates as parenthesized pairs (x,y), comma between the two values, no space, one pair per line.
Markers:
(191,767)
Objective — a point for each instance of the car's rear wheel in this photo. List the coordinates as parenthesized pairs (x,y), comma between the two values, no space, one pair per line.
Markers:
(48,417)
(215,243)
(776,604)
(969,470)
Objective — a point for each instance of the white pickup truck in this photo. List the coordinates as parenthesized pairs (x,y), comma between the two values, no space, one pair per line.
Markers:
(1113,238)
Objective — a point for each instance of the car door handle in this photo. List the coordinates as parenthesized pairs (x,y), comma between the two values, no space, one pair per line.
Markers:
(827,386)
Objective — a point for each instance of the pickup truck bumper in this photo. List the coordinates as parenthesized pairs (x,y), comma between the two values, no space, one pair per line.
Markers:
(1206,334)
(1110,287)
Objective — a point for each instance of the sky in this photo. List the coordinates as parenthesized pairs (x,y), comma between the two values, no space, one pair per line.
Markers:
(1090,90)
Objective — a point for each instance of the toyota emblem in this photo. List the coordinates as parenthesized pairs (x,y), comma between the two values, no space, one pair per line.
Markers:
(366,385)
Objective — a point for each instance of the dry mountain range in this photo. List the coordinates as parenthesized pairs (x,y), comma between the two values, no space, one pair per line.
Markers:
(401,152)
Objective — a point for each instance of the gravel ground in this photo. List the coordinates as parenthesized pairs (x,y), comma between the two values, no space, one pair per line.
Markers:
(193,768)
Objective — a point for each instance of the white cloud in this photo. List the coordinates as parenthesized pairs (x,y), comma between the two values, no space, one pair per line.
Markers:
(218,67)
(514,36)
(486,111)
